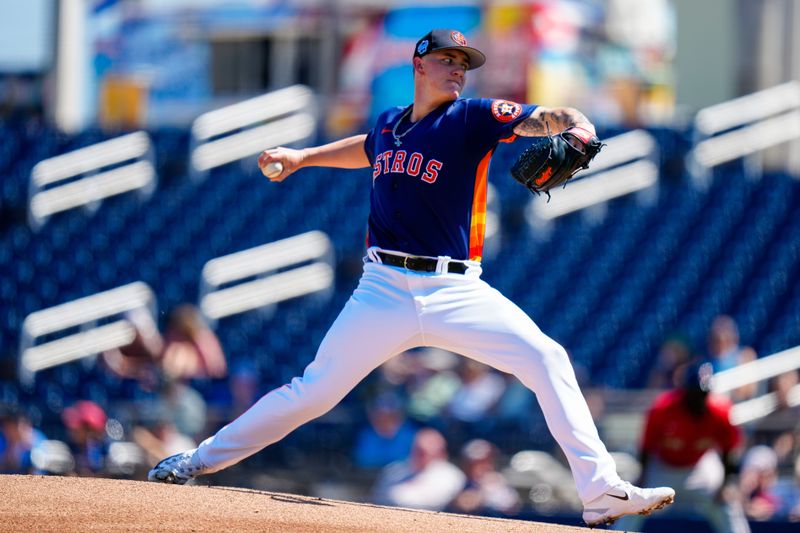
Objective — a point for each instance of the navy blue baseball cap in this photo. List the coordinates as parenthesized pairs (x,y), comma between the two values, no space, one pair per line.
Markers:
(449,40)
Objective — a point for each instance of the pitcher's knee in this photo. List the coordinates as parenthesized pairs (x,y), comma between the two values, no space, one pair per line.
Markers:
(555,357)
(312,401)
(560,353)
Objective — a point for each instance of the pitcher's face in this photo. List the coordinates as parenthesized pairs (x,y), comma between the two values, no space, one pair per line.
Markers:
(443,73)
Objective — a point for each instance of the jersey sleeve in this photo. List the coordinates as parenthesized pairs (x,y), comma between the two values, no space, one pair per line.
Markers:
(493,120)
(370,143)
(369,146)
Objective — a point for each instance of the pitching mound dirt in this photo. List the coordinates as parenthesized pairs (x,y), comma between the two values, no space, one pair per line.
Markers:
(44,503)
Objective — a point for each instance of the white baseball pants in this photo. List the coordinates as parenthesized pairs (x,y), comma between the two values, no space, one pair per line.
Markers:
(393,310)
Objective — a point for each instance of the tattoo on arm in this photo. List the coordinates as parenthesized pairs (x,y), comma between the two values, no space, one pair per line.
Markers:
(557,119)
(531,127)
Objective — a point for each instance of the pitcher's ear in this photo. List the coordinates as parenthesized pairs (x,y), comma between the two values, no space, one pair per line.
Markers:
(418,68)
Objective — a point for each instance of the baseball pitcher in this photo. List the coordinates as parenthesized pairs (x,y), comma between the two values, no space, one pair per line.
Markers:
(421,283)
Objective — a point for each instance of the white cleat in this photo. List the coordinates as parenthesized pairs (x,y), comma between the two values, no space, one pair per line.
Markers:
(623,500)
(177,469)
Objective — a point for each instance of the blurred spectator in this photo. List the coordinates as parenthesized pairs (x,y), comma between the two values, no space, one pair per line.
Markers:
(725,352)
(18,438)
(233,396)
(757,483)
(388,436)
(86,429)
(515,405)
(481,388)
(191,348)
(780,429)
(399,370)
(788,492)
(793,499)
(244,387)
(486,491)
(161,439)
(139,359)
(432,386)
(188,350)
(687,444)
(187,407)
(426,480)
(673,354)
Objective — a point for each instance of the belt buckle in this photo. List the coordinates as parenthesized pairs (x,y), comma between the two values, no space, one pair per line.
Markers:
(405,262)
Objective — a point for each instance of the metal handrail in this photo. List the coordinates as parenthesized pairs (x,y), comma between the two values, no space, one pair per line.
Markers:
(88,175)
(84,313)
(753,372)
(244,129)
(743,127)
(258,277)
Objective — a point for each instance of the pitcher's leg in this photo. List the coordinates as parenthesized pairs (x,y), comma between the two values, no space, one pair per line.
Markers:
(493,330)
(365,335)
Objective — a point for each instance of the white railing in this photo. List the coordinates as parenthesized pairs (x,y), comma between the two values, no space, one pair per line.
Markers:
(84,314)
(756,408)
(244,129)
(753,372)
(629,163)
(253,278)
(86,176)
(743,127)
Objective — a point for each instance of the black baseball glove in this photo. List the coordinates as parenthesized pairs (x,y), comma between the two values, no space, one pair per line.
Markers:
(551,161)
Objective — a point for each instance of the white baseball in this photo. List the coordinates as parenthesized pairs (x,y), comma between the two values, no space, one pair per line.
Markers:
(272,169)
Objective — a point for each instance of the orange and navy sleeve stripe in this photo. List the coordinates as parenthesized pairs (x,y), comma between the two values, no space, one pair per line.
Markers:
(477,228)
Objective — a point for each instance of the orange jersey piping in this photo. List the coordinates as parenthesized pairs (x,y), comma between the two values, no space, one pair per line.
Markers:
(477,227)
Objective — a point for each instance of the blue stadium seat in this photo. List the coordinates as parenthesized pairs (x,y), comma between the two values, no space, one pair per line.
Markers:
(610,290)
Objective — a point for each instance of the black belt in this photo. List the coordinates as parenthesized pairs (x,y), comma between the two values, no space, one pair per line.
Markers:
(420,264)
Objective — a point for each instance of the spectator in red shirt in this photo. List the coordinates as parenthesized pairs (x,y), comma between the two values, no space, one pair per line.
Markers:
(687,444)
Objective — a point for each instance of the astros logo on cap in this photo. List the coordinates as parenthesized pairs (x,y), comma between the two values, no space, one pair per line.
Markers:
(458,38)
(505,110)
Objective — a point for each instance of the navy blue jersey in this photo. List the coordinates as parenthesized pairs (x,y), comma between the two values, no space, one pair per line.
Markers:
(429,192)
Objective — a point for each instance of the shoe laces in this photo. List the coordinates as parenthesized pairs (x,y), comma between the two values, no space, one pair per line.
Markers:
(183,463)
(627,486)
